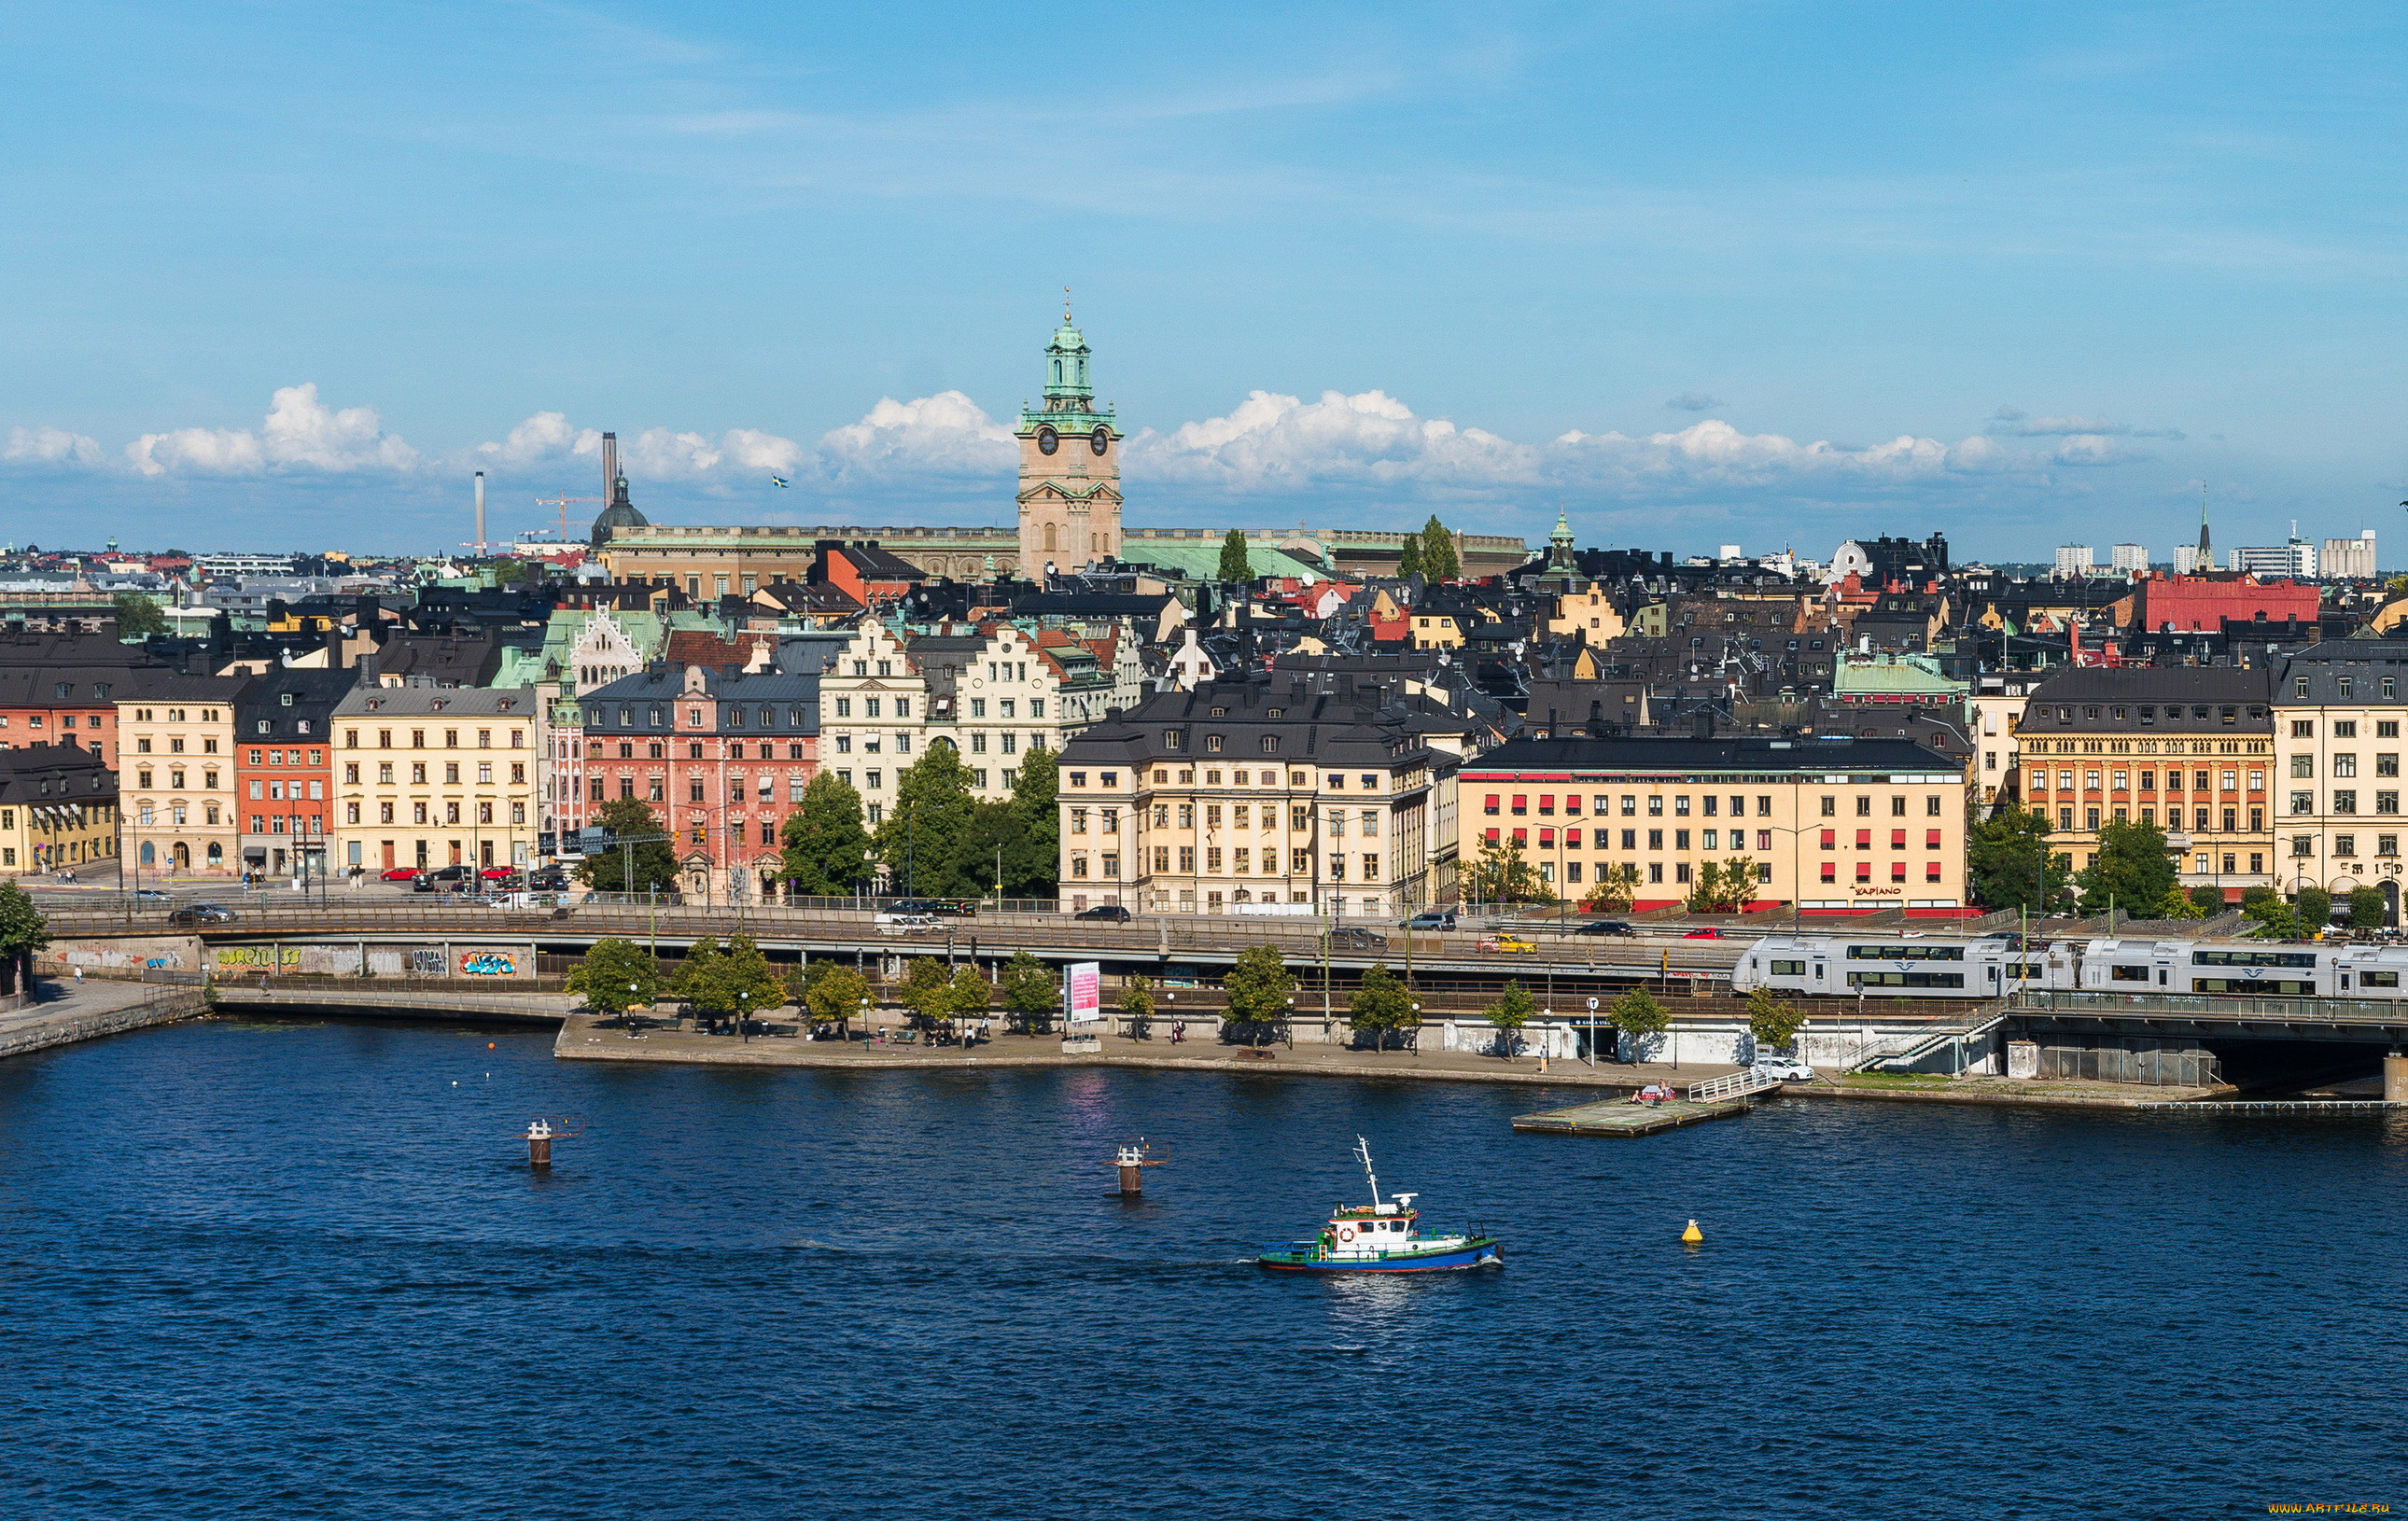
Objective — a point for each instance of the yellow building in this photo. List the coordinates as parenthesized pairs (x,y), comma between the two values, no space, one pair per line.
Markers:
(58,808)
(434,777)
(175,767)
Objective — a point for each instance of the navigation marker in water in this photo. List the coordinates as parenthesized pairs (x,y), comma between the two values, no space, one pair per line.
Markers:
(1132,1161)
(540,1133)
(1693,1236)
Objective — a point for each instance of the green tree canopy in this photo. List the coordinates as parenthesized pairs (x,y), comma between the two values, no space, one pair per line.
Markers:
(654,864)
(1031,993)
(2132,865)
(1772,1022)
(1258,986)
(1235,565)
(2178,904)
(2274,918)
(826,847)
(923,842)
(2315,909)
(1409,565)
(615,976)
(1033,861)
(1637,1014)
(1381,1005)
(2365,907)
(971,995)
(2208,900)
(1503,874)
(137,617)
(834,993)
(1616,888)
(2008,859)
(1510,1012)
(1438,560)
(737,980)
(1137,1005)
(927,990)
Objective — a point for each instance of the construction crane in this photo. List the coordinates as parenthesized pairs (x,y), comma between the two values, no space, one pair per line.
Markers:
(564,503)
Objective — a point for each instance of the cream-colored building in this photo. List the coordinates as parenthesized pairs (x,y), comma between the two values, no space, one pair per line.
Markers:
(436,776)
(2338,707)
(175,768)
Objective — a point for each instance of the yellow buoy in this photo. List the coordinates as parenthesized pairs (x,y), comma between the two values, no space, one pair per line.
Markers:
(1693,1236)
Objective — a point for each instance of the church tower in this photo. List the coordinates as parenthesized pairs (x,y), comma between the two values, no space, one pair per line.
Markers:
(1069,467)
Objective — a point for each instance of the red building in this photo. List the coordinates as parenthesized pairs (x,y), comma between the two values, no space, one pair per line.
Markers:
(722,756)
(2160,602)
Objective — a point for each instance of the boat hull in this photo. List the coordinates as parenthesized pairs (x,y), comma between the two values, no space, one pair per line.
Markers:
(1481,1252)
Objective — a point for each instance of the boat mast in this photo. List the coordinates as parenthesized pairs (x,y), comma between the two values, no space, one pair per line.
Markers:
(1363,1153)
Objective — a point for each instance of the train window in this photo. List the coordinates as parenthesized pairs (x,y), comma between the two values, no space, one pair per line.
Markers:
(2252,958)
(2129,974)
(2233,985)
(1798,969)
(2025,970)
(1906,952)
(1906,979)
(2378,979)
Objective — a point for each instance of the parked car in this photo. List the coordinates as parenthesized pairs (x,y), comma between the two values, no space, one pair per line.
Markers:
(958,908)
(1432,919)
(401,873)
(1509,943)
(1605,926)
(905,924)
(1703,932)
(1111,913)
(202,914)
(1354,937)
(550,879)
(1784,1068)
(498,874)
(150,895)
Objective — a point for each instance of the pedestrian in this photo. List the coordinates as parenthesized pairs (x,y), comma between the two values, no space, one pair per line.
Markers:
(78,971)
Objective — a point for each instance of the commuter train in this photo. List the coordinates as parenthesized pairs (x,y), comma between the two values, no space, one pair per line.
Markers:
(1845,965)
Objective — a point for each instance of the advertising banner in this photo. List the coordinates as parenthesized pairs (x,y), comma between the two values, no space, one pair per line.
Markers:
(1082,992)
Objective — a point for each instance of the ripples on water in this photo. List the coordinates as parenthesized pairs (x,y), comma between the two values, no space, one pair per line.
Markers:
(293,1271)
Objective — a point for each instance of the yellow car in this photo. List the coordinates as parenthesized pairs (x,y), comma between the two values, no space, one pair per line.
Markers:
(1508,942)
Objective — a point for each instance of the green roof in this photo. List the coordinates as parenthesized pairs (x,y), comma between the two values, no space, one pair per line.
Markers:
(1909,675)
(1200,559)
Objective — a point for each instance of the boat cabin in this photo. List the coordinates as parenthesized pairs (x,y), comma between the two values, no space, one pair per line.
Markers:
(1367,1230)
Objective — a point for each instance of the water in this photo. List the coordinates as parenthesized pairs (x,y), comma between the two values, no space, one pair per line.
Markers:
(293,1271)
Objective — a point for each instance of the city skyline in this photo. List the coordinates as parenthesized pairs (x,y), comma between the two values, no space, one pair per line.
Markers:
(2000,285)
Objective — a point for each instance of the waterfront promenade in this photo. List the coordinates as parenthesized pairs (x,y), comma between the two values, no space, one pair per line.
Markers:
(64,1011)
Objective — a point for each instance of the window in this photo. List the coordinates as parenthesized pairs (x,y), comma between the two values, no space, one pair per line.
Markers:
(1865,805)
(2303,767)
(2303,728)
(2345,845)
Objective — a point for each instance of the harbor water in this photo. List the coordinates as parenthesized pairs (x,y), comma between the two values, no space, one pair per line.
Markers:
(302,1269)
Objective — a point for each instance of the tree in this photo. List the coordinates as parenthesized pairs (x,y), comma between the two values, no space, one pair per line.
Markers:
(137,616)
(1033,861)
(2208,900)
(23,932)
(616,976)
(2314,910)
(2007,858)
(1137,1007)
(1724,887)
(654,865)
(1509,1014)
(923,842)
(2131,868)
(971,995)
(2273,917)
(993,834)
(826,849)
(1259,986)
(1637,1014)
(2179,905)
(927,990)
(1616,888)
(1772,1022)
(2365,907)
(1503,874)
(832,992)
(1380,1005)
(1438,560)
(737,980)
(1235,565)
(1408,564)
(1032,991)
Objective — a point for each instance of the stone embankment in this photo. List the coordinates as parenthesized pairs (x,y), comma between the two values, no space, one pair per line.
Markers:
(61,1014)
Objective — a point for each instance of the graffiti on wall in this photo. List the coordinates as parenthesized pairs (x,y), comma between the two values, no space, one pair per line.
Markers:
(426,961)
(260,957)
(489,964)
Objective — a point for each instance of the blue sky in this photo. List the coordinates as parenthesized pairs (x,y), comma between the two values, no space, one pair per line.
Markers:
(280,276)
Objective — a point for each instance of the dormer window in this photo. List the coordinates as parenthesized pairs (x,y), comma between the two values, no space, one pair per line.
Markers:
(1212,742)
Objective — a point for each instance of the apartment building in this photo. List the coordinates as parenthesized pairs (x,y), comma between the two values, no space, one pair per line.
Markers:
(1246,797)
(872,705)
(175,767)
(2189,748)
(722,756)
(436,776)
(283,772)
(58,808)
(1832,823)
(2338,710)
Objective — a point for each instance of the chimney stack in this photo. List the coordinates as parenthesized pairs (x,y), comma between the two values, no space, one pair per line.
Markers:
(481,512)
(609,467)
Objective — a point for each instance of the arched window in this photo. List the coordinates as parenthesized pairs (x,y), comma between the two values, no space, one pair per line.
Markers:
(1057,372)
(216,856)
(148,858)
(1083,372)
(1052,543)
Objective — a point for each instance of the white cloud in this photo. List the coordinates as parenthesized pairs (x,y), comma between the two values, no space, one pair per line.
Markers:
(540,437)
(300,432)
(1271,442)
(2025,426)
(946,434)
(47,445)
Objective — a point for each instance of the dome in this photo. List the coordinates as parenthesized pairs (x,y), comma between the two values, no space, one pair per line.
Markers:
(621,514)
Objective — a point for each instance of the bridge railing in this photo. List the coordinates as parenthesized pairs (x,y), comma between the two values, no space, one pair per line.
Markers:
(2289,1011)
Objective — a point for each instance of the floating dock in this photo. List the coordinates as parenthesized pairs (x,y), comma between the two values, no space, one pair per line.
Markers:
(1621,1118)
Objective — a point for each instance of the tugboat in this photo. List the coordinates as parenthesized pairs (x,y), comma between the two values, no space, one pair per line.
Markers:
(1382,1237)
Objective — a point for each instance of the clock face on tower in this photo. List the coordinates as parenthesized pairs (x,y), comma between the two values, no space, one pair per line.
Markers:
(1100,440)
(1048,440)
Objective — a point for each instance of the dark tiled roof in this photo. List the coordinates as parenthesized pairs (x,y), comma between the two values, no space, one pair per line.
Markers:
(1738,754)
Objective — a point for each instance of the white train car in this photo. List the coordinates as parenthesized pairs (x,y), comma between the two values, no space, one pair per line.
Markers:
(1897,966)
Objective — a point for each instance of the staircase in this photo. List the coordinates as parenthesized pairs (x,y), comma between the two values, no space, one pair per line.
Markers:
(1914,1046)
(1737,1084)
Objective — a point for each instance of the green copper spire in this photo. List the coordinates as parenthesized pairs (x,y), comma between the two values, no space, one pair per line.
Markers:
(1070,384)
